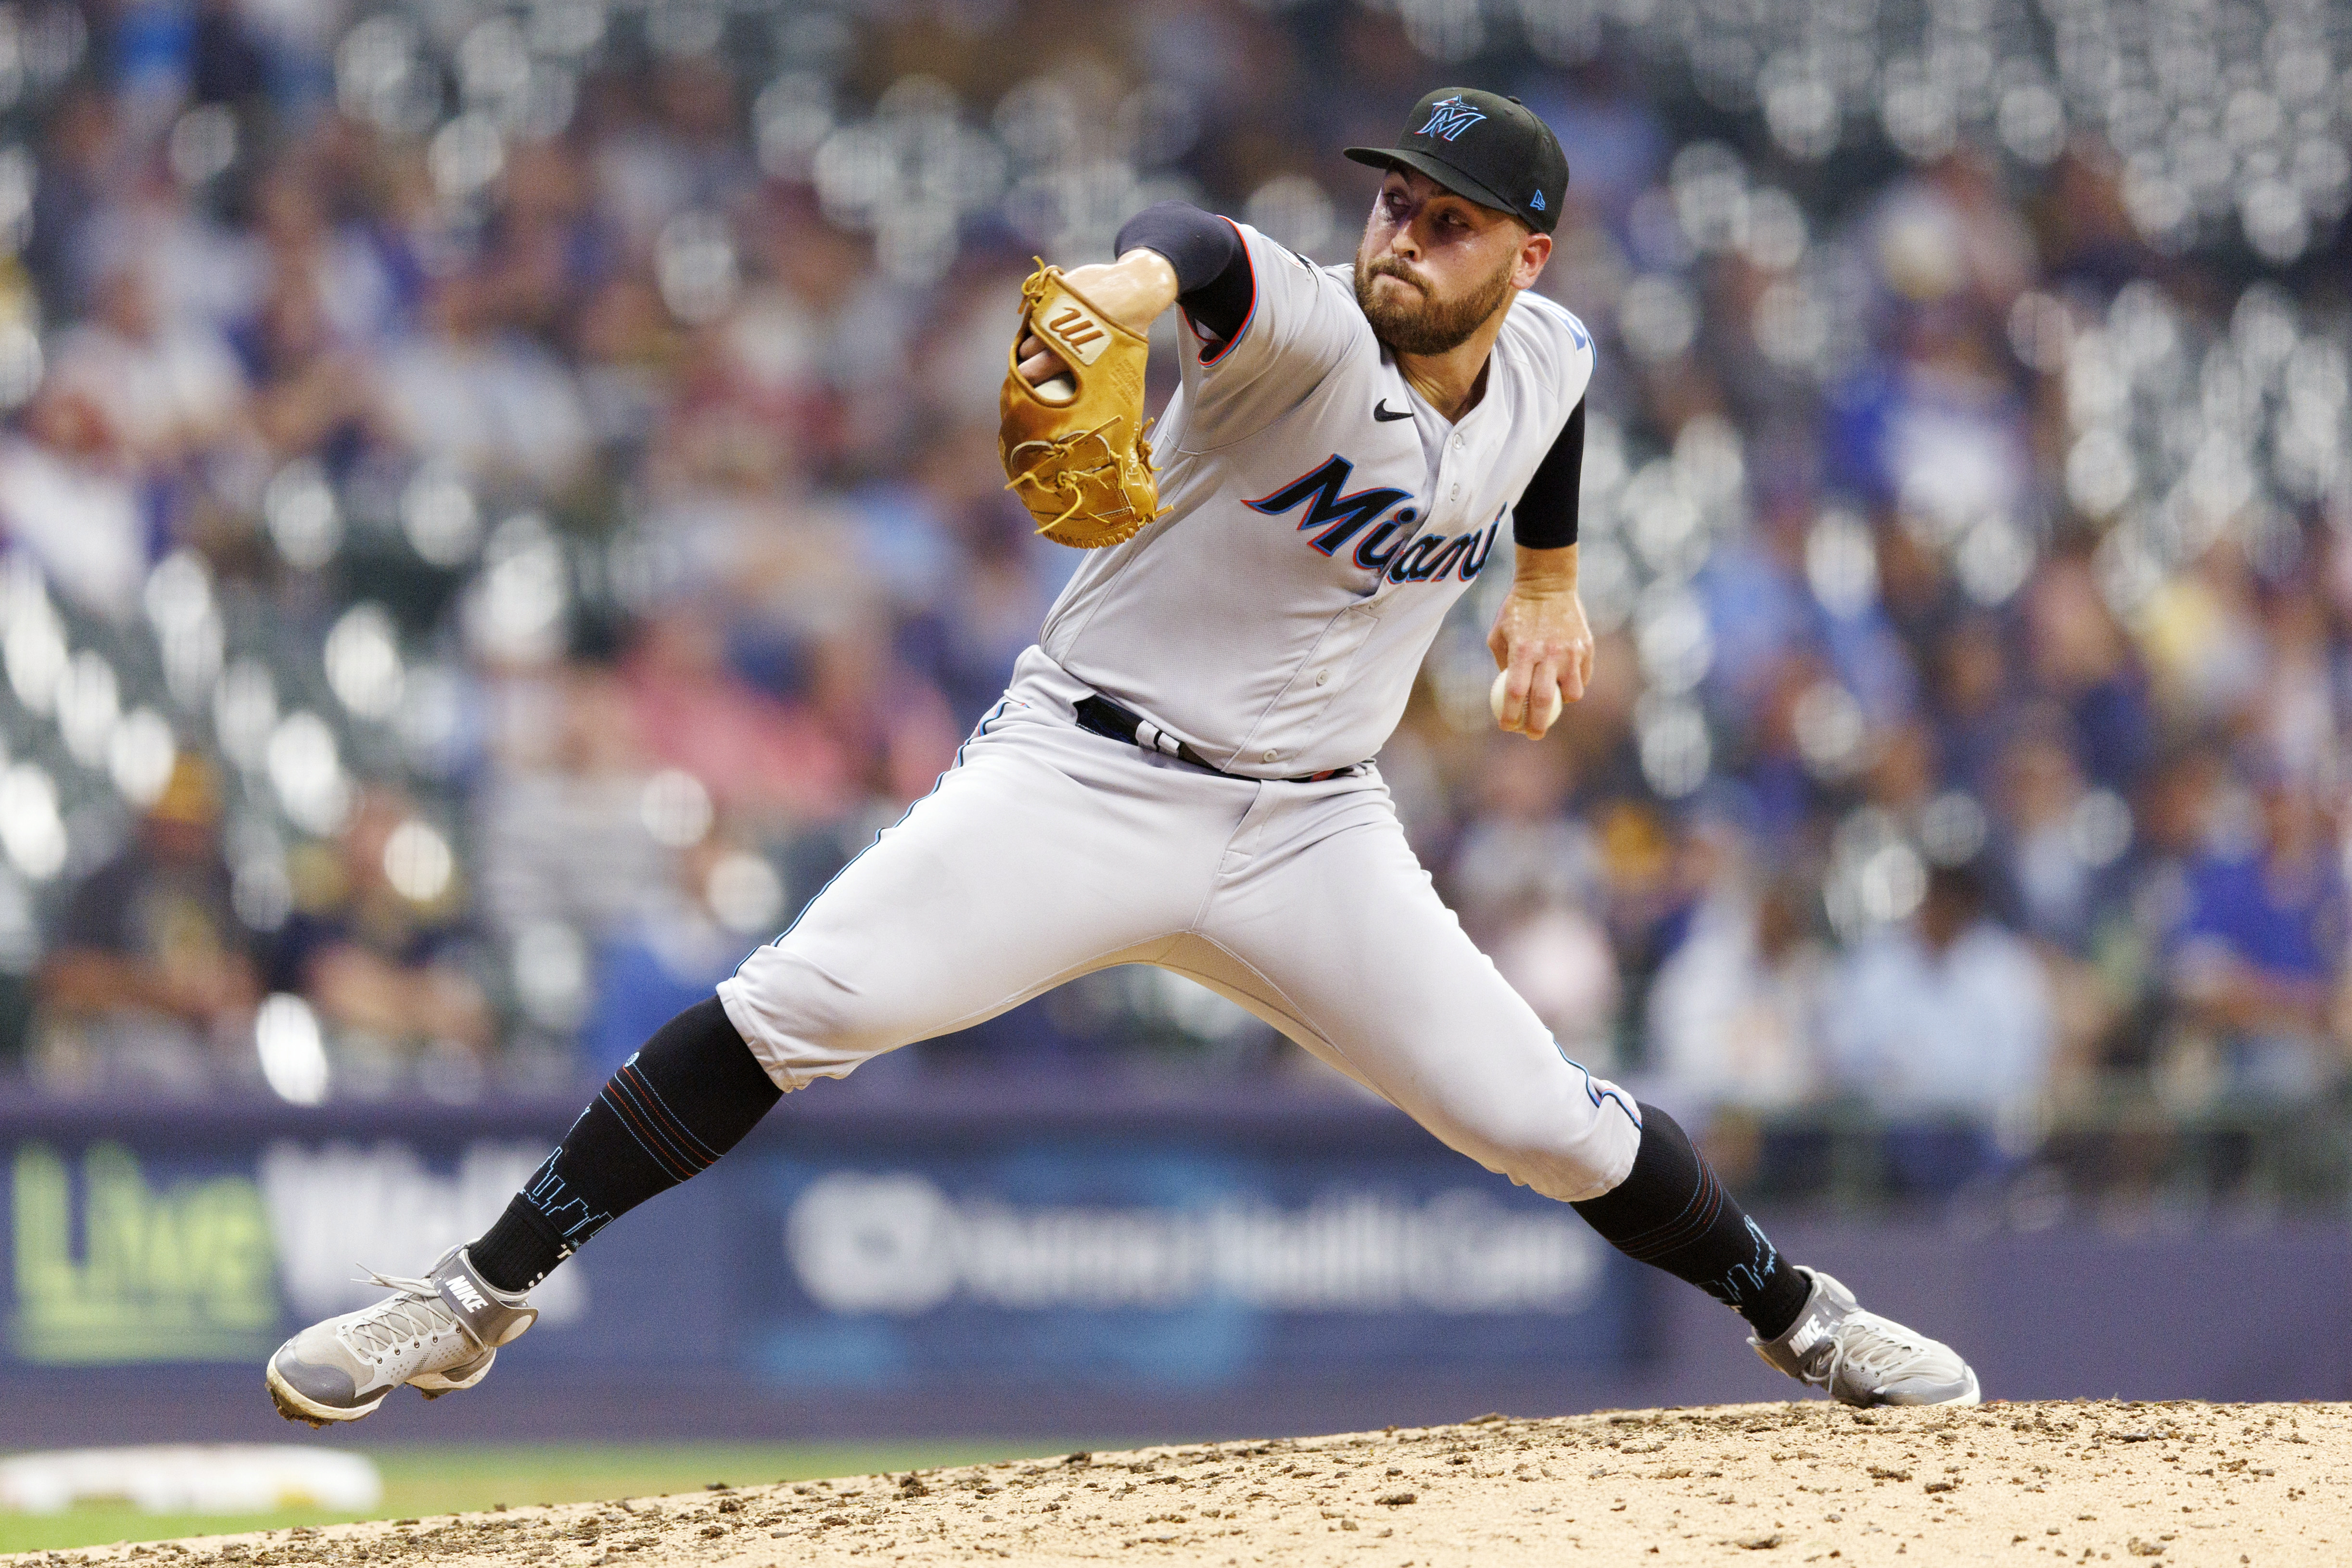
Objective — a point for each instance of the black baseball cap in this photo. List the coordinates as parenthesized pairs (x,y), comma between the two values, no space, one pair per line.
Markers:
(1492,149)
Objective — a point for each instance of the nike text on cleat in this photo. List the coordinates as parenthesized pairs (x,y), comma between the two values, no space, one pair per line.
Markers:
(440,1333)
(1861,1358)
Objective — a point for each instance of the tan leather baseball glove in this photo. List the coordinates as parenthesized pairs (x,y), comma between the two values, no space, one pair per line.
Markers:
(1073,448)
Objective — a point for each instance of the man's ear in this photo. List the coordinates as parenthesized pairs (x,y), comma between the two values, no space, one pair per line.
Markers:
(1534,251)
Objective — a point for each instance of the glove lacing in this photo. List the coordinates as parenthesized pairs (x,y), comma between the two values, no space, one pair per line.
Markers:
(1072,482)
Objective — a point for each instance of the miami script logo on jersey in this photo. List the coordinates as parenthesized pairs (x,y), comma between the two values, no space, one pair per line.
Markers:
(1450,117)
(1389,546)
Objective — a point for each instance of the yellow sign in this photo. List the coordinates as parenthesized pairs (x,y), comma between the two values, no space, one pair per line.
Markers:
(186,1272)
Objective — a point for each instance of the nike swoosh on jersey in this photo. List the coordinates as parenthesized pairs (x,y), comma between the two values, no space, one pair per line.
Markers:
(1381,410)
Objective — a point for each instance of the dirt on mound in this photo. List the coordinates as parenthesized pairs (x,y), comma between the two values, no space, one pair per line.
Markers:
(2187,1483)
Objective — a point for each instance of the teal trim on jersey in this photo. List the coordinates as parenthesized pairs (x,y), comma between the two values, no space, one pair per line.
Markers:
(1597,1095)
(1576,328)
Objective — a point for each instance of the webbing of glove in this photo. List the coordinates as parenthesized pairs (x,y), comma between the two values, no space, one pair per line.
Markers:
(1081,464)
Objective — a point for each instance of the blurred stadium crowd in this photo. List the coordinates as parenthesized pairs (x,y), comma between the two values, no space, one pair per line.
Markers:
(501,502)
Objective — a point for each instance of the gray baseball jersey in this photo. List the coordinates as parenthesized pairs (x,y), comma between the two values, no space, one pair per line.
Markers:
(1322,521)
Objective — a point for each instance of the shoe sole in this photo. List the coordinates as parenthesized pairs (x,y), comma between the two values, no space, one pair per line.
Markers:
(1967,1396)
(455,1379)
(295,1406)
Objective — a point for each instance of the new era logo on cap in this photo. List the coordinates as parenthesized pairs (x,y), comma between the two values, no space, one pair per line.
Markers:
(1449,118)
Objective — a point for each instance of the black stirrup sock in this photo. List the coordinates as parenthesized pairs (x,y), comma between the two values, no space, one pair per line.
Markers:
(686,1097)
(1671,1212)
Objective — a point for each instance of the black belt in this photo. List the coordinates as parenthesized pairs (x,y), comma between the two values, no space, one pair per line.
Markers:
(1118,722)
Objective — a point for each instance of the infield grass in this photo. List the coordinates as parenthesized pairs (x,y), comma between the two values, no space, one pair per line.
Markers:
(423,1481)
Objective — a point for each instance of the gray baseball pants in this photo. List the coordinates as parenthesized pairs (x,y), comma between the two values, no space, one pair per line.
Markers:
(1048,852)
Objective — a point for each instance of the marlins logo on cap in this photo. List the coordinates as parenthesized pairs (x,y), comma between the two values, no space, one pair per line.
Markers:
(1450,117)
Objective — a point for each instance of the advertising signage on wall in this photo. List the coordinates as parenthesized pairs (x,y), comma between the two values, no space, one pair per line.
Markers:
(1086,1264)
(112,1267)
(890,1260)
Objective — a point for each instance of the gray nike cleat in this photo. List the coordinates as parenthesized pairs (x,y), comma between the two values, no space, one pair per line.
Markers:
(1864,1359)
(440,1332)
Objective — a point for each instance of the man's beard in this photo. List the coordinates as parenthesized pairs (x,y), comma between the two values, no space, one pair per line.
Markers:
(1426,325)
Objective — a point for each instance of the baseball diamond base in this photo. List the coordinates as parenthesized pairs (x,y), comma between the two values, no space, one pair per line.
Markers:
(2191,1483)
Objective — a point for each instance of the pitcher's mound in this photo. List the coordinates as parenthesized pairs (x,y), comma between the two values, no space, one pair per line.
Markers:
(2220,1484)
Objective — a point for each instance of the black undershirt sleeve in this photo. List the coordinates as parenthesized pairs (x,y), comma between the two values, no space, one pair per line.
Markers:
(1545,518)
(1213,281)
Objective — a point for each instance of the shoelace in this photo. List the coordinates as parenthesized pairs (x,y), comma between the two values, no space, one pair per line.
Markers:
(1886,1347)
(412,1314)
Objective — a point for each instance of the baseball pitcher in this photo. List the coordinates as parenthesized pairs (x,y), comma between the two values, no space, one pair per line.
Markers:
(1181,771)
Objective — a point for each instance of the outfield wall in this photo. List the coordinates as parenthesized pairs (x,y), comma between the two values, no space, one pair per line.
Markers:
(1068,1265)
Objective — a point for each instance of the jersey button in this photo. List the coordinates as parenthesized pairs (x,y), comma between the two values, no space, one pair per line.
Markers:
(1269,756)
(1322,677)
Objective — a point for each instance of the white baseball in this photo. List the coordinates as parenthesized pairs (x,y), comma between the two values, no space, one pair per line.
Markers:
(1059,389)
(1497,693)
